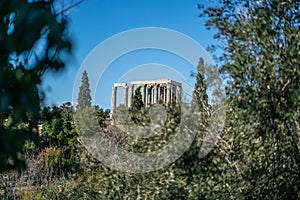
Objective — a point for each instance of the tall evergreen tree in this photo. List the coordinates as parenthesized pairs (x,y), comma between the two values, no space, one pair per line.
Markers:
(200,87)
(200,97)
(136,107)
(85,117)
(84,96)
(137,100)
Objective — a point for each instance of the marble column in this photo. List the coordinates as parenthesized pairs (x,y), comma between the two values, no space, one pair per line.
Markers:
(126,96)
(149,96)
(161,95)
(155,93)
(131,93)
(168,94)
(144,95)
(179,93)
(114,99)
(173,93)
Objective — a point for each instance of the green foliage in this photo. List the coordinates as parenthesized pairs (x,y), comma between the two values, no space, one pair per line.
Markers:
(260,47)
(61,136)
(154,128)
(89,120)
(84,96)
(23,27)
(257,154)
(60,160)
(60,131)
(200,87)
(137,100)
(137,111)
(123,115)
(101,115)
(173,117)
(86,122)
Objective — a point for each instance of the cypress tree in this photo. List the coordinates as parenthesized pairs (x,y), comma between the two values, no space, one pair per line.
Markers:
(137,100)
(200,87)
(84,96)
(135,110)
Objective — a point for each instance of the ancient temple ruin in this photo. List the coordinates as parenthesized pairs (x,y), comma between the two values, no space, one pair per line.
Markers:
(153,91)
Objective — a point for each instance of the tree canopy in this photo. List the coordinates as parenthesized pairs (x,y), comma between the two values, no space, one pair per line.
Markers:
(260,44)
(32,39)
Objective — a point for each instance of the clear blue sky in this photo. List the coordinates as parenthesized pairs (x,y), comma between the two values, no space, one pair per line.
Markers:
(94,21)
